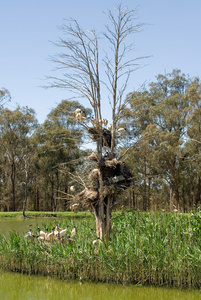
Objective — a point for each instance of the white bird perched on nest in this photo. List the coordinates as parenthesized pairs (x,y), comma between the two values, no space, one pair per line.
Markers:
(105,122)
(121,130)
(72,188)
(77,111)
(110,127)
(78,116)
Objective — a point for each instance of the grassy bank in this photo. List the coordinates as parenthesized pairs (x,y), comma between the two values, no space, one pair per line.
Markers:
(42,214)
(145,248)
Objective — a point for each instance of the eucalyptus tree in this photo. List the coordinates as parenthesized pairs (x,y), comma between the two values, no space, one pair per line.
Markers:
(58,152)
(193,144)
(16,127)
(80,65)
(159,115)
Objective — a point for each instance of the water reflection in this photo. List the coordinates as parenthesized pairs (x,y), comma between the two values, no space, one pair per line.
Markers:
(14,286)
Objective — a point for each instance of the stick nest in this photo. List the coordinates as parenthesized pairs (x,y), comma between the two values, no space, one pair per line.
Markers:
(104,133)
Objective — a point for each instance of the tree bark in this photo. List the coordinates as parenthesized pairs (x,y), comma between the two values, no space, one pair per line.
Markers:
(26,194)
(13,186)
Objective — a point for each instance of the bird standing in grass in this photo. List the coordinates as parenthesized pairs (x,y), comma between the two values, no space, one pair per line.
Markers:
(41,233)
(29,235)
(96,242)
(73,232)
(50,235)
(57,230)
(63,232)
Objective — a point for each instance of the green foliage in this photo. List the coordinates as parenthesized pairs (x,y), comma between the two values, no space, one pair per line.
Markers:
(16,128)
(34,157)
(162,118)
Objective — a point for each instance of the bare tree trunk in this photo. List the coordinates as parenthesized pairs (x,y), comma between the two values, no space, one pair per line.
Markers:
(52,194)
(108,214)
(26,194)
(13,186)
(37,200)
(198,193)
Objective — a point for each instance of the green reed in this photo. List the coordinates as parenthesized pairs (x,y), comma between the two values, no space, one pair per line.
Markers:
(144,248)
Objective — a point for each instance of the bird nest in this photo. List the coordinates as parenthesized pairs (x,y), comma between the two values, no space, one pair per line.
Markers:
(114,174)
(93,157)
(104,133)
(114,167)
(94,178)
(87,197)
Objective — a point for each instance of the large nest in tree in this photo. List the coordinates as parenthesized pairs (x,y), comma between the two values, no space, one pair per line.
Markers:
(115,172)
(105,134)
(93,157)
(94,178)
(89,197)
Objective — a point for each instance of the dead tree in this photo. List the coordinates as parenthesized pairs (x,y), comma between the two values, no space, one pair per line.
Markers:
(80,60)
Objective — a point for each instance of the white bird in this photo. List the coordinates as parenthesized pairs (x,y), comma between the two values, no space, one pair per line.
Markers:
(72,188)
(74,206)
(78,116)
(121,130)
(110,127)
(57,230)
(78,110)
(50,235)
(63,232)
(29,233)
(105,122)
(73,232)
(96,242)
(41,233)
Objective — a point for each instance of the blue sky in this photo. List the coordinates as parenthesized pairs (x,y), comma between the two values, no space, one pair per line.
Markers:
(172,39)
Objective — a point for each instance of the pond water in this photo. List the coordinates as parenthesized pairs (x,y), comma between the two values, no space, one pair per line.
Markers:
(22,225)
(15,286)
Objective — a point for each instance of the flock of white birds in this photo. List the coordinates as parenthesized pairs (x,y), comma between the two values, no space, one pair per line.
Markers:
(56,234)
(79,116)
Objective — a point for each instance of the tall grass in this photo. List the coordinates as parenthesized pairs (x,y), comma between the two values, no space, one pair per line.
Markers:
(144,248)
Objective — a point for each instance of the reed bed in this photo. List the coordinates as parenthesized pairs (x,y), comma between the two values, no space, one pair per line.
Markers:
(162,249)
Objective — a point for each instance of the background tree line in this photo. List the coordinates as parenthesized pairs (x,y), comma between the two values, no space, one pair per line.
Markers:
(161,144)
